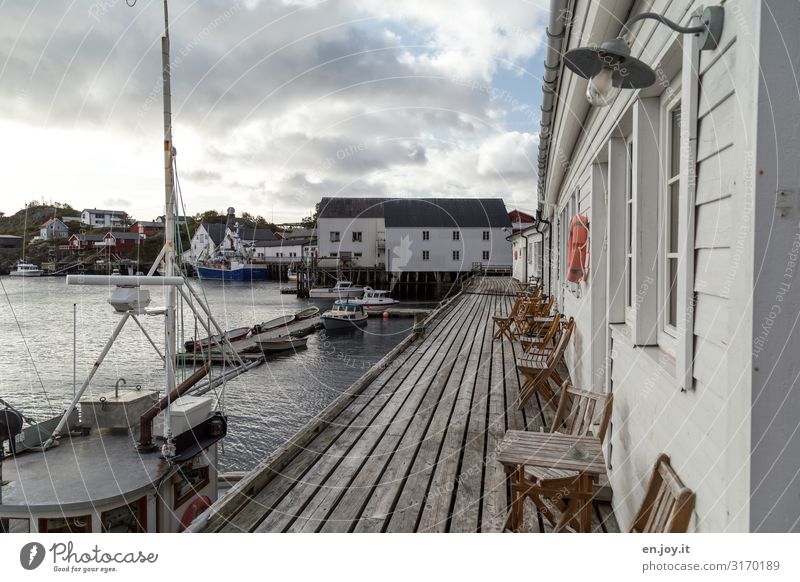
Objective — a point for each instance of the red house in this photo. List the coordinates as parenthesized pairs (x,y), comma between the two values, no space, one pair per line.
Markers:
(147,228)
(122,242)
(80,242)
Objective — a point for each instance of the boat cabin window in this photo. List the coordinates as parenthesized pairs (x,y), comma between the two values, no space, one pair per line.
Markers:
(188,483)
(79,524)
(131,518)
(14,525)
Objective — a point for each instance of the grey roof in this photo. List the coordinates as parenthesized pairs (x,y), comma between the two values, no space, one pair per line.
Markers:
(421,212)
(351,207)
(150,223)
(298,233)
(255,234)
(101,211)
(89,237)
(125,235)
(215,231)
(292,242)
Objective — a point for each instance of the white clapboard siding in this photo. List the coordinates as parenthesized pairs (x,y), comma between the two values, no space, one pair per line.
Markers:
(714,177)
(711,319)
(714,226)
(712,272)
(718,129)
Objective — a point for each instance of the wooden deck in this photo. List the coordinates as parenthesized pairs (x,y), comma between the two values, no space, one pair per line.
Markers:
(412,448)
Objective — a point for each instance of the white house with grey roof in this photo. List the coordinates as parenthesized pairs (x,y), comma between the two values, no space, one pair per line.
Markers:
(415,234)
(96,218)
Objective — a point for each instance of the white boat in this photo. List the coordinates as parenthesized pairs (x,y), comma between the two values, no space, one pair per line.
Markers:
(342,290)
(375,299)
(141,460)
(25,269)
(344,315)
(291,275)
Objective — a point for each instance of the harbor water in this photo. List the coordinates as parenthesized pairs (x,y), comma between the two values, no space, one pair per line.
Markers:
(265,406)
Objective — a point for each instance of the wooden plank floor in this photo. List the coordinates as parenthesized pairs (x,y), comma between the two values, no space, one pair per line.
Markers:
(415,449)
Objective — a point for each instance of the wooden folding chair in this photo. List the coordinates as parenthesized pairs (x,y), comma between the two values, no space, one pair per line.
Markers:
(579,413)
(668,504)
(504,322)
(539,337)
(524,319)
(538,367)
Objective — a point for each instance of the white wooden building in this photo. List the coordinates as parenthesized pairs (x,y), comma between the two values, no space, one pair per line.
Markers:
(690,309)
(205,240)
(416,234)
(94,218)
(53,229)
(526,253)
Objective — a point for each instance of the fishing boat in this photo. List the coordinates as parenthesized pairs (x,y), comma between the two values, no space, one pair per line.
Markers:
(231,268)
(281,344)
(117,460)
(231,336)
(344,315)
(342,290)
(25,269)
(375,299)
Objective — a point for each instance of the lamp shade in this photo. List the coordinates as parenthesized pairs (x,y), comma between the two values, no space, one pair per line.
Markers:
(627,72)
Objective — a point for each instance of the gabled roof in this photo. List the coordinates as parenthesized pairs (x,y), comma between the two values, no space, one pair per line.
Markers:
(51,221)
(148,224)
(421,212)
(215,231)
(88,237)
(298,233)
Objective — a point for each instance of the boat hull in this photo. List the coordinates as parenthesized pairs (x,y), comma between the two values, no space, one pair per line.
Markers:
(339,294)
(238,274)
(336,324)
(25,273)
(281,345)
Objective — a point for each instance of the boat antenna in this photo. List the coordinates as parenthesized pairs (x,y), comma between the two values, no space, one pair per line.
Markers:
(169,235)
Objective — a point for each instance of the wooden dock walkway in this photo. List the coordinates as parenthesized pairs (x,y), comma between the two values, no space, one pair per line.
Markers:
(409,448)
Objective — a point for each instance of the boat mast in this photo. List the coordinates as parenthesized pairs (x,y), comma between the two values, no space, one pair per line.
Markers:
(169,235)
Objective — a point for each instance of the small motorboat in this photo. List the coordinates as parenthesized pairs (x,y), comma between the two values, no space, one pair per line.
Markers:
(281,344)
(375,299)
(281,321)
(344,315)
(232,336)
(306,313)
(291,275)
(26,269)
(342,290)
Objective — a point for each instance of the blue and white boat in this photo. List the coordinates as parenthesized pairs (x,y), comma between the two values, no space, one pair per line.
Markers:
(229,269)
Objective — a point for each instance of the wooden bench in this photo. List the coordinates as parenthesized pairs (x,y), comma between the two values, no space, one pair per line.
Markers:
(667,505)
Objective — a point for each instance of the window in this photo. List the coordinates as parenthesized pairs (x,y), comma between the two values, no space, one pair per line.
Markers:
(15,525)
(485,255)
(357,236)
(485,235)
(629,223)
(672,192)
(334,255)
(456,255)
(426,235)
(80,524)
(426,255)
(188,483)
(335,237)
(130,518)
(456,235)
(357,254)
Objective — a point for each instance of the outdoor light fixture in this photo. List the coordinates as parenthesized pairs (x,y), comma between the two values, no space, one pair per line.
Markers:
(610,67)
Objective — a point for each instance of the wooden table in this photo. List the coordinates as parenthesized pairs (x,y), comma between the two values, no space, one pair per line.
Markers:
(582,454)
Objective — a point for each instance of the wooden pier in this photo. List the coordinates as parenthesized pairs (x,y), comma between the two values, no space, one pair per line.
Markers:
(411,446)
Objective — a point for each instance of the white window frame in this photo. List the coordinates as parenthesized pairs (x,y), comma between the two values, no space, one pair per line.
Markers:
(486,255)
(456,255)
(336,236)
(426,235)
(426,255)
(358,236)
(486,235)
(630,229)
(456,235)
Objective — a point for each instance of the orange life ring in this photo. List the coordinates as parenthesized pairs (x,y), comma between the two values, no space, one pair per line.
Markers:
(198,505)
(578,249)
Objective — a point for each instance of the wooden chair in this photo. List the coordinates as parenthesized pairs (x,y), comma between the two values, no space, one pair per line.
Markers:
(540,337)
(523,320)
(668,504)
(579,413)
(504,322)
(538,367)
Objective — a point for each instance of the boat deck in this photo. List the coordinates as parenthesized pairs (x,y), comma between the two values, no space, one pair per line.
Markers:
(411,447)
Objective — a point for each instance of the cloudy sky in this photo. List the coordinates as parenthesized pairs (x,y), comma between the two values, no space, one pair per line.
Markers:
(276,102)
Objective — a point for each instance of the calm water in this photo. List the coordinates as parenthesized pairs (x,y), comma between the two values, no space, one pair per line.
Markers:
(265,406)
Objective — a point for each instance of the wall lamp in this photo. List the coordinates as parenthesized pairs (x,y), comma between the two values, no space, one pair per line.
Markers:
(610,67)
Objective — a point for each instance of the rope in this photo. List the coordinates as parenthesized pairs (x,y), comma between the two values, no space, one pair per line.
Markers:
(25,342)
